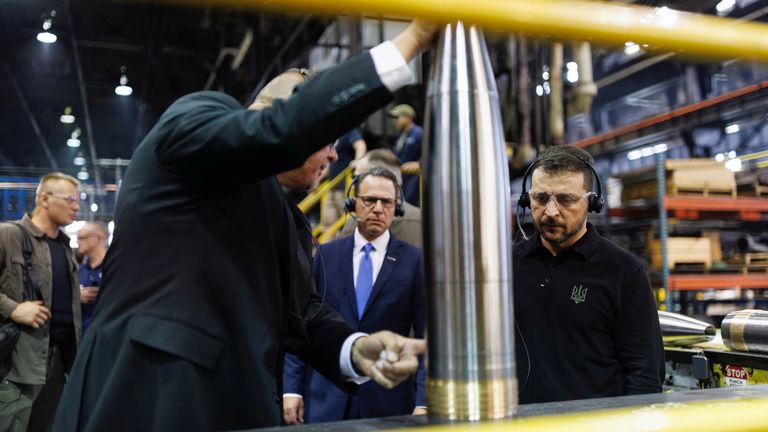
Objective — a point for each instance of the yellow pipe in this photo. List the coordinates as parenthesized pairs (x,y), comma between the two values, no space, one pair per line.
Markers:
(716,416)
(604,22)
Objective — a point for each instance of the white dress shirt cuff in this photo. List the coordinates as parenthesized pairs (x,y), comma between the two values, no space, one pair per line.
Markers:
(391,66)
(296,395)
(345,360)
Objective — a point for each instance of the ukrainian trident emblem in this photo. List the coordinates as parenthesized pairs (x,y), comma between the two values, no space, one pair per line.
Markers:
(579,294)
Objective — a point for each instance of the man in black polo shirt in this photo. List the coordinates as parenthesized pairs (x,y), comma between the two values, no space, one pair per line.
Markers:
(583,305)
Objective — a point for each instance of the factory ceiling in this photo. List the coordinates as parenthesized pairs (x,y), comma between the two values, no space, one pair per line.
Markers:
(163,51)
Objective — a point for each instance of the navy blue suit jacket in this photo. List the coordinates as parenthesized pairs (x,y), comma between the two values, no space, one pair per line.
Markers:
(411,151)
(396,304)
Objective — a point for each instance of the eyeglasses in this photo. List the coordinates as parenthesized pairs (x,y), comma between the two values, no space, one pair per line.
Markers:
(370,201)
(562,199)
(70,199)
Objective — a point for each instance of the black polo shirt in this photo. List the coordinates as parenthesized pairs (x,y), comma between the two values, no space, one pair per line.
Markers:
(588,320)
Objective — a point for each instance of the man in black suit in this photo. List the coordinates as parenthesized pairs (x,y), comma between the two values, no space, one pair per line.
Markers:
(207,280)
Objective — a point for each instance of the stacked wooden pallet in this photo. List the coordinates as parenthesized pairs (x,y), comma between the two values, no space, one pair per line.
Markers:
(753,262)
(683,250)
(753,184)
(699,177)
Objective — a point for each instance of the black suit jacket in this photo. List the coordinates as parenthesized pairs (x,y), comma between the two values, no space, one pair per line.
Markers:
(208,281)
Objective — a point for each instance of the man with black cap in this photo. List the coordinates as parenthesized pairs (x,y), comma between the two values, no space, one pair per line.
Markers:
(408,149)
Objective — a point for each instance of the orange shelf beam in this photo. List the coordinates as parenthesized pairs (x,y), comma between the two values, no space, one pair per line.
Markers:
(661,118)
(686,207)
(715,204)
(717,281)
(689,207)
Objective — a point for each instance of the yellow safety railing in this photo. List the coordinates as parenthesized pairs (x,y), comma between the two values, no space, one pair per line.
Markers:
(604,22)
(314,197)
(330,233)
(318,196)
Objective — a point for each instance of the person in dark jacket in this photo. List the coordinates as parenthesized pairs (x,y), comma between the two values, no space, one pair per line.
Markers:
(407,147)
(207,280)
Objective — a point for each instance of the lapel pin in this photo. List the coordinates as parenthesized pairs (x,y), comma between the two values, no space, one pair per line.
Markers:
(391,258)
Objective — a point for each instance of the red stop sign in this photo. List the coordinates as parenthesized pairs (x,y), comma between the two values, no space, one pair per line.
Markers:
(737,372)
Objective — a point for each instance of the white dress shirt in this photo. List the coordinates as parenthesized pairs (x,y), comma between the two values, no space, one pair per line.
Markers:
(378,253)
(395,74)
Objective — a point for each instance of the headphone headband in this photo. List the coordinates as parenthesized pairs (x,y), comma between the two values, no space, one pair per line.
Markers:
(350,202)
(596,202)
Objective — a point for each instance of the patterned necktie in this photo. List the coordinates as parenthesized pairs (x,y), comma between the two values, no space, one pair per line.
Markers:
(364,280)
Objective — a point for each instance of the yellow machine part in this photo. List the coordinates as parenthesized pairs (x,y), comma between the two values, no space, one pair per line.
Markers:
(730,375)
(713,416)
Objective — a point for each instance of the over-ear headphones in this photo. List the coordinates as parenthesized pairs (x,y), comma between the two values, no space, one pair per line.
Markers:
(350,201)
(596,201)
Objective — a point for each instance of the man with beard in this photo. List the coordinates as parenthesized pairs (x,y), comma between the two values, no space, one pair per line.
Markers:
(584,307)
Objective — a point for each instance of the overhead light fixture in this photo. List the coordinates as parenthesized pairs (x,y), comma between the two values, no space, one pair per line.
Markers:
(572,72)
(725,6)
(67,117)
(74,140)
(728,157)
(646,151)
(83,174)
(732,128)
(123,89)
(631,48)
(45,36)
(79,160)
(733,164)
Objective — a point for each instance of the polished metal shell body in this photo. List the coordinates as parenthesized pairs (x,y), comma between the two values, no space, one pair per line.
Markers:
(746,330)
(681,330)
(467,237)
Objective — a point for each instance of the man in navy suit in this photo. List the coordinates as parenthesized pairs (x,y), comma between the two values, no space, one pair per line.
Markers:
(375,282)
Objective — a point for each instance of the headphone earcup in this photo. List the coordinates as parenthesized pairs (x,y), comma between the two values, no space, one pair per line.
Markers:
(524,201)
(596,204)
(349,204)
(399,210)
